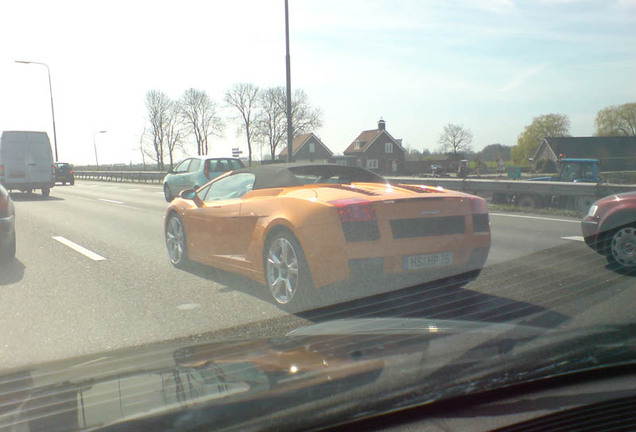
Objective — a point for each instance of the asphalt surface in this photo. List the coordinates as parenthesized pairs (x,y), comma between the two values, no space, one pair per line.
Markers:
(92,275)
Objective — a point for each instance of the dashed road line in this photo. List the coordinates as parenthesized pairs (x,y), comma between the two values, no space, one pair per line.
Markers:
(80,249)
(189,306)
(111,201)
(573,238)
(535,217)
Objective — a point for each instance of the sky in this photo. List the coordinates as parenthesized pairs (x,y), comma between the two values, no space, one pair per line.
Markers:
(489,65)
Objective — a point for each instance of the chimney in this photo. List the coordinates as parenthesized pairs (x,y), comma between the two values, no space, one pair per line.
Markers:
(381,125)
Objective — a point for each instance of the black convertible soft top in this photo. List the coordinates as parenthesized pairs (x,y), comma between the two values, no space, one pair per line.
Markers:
(295,174)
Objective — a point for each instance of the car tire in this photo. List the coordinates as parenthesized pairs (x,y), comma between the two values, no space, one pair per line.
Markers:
(620,248)
(8,253)
(287,273)
(166,193)
(46,192)
(176,241)
(72,182)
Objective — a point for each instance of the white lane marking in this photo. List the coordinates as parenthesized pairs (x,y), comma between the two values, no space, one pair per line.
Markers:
(188,306)
(77,248)
(111,201)
(90,362)
(535,217)
(573,238)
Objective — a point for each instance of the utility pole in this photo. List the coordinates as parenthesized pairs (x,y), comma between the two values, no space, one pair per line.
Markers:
(290,132)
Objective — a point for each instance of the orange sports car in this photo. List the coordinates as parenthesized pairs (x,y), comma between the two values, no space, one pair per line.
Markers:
(301,227)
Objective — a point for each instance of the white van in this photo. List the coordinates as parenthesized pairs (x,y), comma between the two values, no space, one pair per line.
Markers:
(26,161)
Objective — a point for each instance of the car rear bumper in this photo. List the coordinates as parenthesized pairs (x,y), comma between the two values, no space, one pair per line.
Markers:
(28,185)
(371,268)
(333,262)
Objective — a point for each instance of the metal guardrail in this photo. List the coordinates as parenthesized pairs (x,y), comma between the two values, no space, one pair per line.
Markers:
(122,176)
(484,187)
(473,186)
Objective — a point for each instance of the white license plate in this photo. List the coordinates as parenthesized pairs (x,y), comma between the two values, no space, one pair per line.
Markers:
(415,262)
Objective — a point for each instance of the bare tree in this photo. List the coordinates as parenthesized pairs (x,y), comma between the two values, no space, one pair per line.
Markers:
(455,139)
(243,97)
(159,108)
(271,119)
(199,114)
(174,131)
(141,147)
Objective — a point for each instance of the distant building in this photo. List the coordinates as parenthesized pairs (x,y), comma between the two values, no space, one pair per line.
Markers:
(308,147)
(616,153)
(377,151)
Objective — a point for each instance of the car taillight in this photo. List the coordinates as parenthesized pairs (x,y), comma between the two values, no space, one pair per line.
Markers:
(478,205)
(358,218)
(1,170)
(355,210)
(53,169)
(70,171)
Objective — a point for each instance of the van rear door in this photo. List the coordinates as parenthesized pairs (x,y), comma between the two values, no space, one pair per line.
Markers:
(14,158)
(39,160)
(27,159)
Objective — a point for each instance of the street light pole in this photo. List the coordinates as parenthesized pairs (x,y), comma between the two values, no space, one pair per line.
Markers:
(95,147)
(48,70)
(290,132)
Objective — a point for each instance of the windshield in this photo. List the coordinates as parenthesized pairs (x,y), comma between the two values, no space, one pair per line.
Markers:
(388,189)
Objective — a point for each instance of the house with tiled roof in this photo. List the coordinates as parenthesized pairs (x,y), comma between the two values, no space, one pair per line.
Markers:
(616,153)
(377,151)
(308,147)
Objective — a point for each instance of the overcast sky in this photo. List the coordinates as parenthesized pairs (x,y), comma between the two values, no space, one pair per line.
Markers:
(490,65)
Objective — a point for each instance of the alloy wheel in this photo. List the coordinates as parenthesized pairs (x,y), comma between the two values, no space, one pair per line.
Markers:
(282,270)
(175,241)
(623,247)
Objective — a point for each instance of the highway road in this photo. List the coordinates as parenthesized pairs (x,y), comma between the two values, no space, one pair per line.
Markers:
(92,275)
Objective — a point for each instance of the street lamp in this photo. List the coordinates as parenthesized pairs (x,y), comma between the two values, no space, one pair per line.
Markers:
(48,70)
(95,147)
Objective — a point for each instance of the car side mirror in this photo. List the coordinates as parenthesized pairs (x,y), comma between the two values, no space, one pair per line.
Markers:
(191,194)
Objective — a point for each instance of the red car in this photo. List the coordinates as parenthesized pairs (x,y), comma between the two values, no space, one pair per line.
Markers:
(610,229)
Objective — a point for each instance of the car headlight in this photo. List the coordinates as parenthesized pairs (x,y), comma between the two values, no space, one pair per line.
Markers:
(592,211)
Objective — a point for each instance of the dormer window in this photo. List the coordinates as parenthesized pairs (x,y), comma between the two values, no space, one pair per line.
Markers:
(358,145)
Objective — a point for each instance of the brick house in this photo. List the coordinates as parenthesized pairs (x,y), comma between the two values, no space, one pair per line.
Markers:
(308,147)
(615,153)
(377,151)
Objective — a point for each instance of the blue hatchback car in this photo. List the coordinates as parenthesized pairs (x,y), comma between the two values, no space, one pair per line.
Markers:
(196,171)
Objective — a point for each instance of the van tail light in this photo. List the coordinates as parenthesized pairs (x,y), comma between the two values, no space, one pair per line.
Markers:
(53,169)
(70,172)
(358,218)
